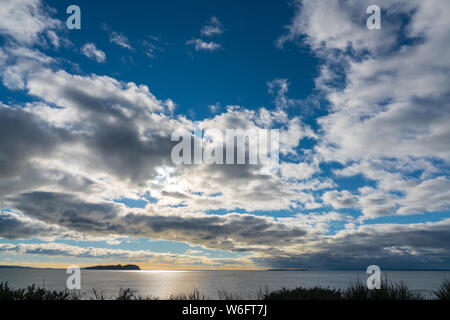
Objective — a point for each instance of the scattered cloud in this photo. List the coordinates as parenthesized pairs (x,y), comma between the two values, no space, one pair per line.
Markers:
(199,44)
(214,108)
(212,27)
(117,38)
(152,45)
(91,51)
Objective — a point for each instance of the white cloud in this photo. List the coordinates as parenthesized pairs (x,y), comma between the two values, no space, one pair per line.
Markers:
(340,199)
(299,171)
(382,123)
(151,46)
(431,195)
(339,25)
(279,89)
(19,61)
(91,51)
(117,38)
(53,38)
(199,44)
(214,108)
(26,20)
(367,117)
(213,27)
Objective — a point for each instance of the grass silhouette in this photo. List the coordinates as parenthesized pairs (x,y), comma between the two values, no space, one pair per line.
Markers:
(444,291)
(357,291)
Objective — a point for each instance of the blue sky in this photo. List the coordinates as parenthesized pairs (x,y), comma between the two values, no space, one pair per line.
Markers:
(86,118)
(236,74)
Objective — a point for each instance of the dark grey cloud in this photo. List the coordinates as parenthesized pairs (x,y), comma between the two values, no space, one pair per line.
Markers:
(225,232)
(119,149)
(68,211)
(222,232)
(425,246)
(22,137)
(14,226)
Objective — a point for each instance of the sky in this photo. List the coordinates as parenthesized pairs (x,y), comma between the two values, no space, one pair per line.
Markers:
(86,118)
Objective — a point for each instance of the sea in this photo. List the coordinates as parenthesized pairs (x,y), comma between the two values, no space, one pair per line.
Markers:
(240,284)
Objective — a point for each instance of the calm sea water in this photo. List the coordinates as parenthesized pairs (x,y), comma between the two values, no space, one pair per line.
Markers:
(244,284)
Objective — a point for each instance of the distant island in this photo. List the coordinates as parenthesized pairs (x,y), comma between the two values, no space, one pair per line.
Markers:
(114,267)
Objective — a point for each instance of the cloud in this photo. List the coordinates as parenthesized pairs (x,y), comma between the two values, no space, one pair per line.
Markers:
(213,27)
(367,117)
(15,226)
(88,140)
(199,44)
(54,39)
(91,51)
(279,89)
(25,21)
(432,195)
(151,46)
(58,249)
(391,246)
(141,131)
(299,171)
(18,147)
(214,108)
(117,38)
(341,25)
(340,199)
(54,249)
(233,231)
(19,61)
(380,123)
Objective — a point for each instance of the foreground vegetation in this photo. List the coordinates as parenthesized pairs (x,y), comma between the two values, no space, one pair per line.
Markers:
(357,291)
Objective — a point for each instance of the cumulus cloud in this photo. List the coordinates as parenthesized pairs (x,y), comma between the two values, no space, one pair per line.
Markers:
(25,21)
(18,61)
(91,51)
(367,118)
(340,199)
(19,146)
(381,124)
(87,140)
(299,171)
